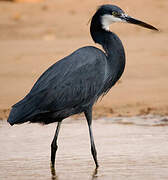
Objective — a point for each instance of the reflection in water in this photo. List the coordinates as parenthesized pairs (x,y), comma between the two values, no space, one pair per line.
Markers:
(53,173)
(94,175)
(139,149)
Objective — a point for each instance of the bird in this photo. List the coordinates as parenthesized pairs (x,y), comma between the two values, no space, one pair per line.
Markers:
(74,84)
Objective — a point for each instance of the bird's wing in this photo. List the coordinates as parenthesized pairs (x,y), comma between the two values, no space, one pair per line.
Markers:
(73,80)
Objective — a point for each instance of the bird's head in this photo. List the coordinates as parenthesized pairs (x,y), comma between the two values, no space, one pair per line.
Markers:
(111,13)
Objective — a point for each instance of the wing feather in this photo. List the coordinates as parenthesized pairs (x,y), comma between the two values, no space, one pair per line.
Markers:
(72,81)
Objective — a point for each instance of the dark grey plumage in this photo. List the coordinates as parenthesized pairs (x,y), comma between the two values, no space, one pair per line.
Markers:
(68,87)
(73,84)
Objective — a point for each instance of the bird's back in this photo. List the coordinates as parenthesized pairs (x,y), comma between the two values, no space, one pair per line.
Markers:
(66,88)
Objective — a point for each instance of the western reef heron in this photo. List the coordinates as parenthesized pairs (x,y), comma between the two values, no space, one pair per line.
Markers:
(73,84)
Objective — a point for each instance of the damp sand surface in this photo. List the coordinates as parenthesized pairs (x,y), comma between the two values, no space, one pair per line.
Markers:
(128,148)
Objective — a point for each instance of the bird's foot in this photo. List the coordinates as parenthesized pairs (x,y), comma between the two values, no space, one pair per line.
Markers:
(52,169)
(94,175)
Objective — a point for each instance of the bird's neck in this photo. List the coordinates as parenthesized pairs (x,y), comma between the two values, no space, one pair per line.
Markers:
(107,39)
(111,44)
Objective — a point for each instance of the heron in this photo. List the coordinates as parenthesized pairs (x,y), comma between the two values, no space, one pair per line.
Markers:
(73,84)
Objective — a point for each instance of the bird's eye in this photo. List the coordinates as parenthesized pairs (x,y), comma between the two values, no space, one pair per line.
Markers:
(115,13)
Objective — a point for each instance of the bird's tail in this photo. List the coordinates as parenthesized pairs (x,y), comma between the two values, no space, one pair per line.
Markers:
(25,109)
(16,116)
(20,112)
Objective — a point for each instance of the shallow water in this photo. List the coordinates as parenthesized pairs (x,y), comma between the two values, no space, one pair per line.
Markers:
(128,148)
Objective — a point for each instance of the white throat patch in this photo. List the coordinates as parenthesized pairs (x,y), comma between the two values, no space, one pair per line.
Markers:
(107,20)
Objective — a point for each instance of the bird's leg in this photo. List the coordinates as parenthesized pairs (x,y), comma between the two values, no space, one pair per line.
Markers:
(54,145)
(88,114)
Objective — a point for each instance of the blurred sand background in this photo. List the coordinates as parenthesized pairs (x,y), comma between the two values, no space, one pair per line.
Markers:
(34,35)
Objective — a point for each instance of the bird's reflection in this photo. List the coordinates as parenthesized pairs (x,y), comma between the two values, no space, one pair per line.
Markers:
(53,174)
(94,174)
(55,177)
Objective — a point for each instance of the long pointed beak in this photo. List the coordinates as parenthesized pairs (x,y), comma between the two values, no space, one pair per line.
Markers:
(131,20)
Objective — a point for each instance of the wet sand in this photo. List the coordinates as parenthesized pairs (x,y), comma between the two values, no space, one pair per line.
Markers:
(33,36)
(128,149)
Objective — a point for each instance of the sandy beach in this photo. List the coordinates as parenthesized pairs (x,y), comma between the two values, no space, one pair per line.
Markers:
(33,36)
